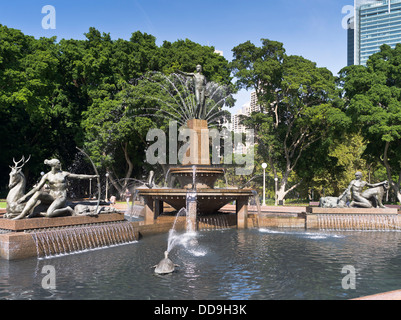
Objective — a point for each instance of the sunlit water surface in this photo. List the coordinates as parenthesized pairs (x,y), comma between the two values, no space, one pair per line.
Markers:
(228,264)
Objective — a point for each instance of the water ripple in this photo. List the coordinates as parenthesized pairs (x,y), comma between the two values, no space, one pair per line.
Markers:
(230,264)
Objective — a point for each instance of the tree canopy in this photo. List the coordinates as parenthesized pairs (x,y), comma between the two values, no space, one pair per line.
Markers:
(373,98)
(58,95)
(300,106)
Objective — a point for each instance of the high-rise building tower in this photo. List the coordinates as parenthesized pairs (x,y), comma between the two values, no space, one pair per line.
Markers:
(376,22)
(351,41)
(254,106)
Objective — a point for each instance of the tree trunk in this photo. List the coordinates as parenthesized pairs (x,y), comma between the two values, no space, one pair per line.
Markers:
(128,160)
(282,192)
(114,180)
(399,196)
(392,183)
(396,188)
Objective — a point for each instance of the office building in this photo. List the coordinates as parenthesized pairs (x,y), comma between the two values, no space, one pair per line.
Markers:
(351,41)
(375,22)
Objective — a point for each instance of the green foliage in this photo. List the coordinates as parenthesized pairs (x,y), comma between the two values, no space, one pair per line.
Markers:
(31,114)
(58,95)
(300,106)
(373,96)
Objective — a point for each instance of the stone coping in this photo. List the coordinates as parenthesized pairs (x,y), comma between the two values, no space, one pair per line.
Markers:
(317,210)
(392,295)
(199,192)
(40,223)
(198,170)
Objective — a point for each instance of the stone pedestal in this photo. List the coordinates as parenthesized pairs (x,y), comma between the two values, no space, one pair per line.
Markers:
(242,212)
(208,202)
(18,244)
(43,223)
(198,152)
(351,218)
(153,209)
(149,211)
(197,178)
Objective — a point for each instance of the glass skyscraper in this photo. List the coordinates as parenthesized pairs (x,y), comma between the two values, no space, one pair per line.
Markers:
(351,41)
(376,22)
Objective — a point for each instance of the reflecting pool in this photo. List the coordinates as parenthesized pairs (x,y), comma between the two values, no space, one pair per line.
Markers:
(226,264)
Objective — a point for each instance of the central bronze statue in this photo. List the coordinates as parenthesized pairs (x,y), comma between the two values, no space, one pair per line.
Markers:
(200,83)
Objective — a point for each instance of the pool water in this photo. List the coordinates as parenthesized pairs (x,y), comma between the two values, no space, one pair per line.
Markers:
(254,264)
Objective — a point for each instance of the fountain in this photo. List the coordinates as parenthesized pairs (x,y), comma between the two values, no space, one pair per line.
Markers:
(196,175)
(239,263)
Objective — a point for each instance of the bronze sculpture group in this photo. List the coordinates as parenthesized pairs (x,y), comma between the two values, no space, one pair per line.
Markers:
(21,205)
(55,198)
(355,196)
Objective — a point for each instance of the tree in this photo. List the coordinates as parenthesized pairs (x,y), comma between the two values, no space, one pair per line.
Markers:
(31,115)
(373,96)
(329,167)
(114,139)
(58,95)
(300,105)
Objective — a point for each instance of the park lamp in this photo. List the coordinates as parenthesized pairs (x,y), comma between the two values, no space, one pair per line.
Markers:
(264,166)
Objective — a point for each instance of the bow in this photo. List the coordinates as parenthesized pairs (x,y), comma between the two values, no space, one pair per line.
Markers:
(98,177)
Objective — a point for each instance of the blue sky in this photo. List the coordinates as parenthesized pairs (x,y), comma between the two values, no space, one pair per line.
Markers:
(309,28)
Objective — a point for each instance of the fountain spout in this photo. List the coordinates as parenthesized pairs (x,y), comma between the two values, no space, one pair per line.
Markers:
(165,266)
(193,177)
(151,179)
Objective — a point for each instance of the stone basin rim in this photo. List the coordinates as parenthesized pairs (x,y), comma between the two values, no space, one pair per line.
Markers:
(199,192)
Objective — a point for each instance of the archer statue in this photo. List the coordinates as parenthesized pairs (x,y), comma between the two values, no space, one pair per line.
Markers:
(200,83)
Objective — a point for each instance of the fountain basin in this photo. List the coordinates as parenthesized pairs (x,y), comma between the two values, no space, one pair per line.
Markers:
(244,265)
(205,176)
(208,200)
(41,223)
(352,218)
(17,242)
(318,210)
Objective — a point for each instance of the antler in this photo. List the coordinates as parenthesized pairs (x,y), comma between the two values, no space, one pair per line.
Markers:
(23,162)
